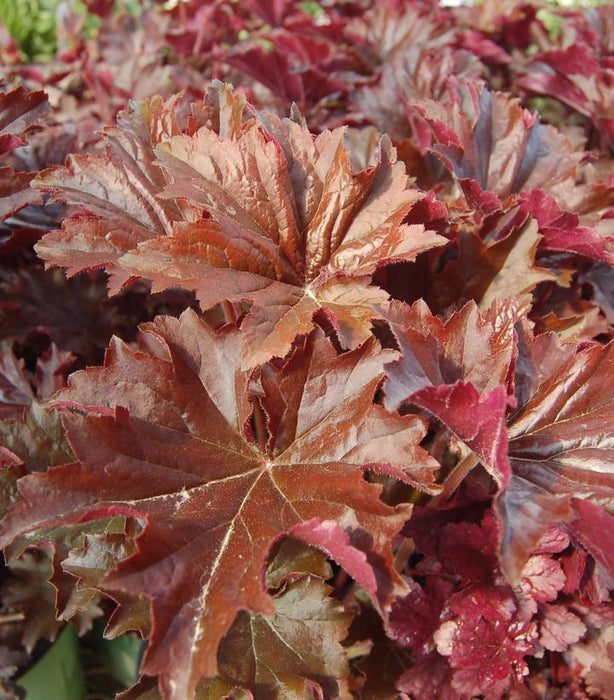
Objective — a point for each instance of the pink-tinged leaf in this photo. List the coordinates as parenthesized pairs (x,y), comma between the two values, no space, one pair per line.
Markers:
(542,579)
(15,191)
(471,347)
(485,643)
(562,230)
(19,110)
(561,440)
(559,627)
(477,419)
(559,73)
(168,446)
(555,541)
(593,526)
(328,536)
(487,138)
(595,661)
(483,600)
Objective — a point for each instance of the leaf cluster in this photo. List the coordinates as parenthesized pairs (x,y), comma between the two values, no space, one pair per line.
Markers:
(307,371)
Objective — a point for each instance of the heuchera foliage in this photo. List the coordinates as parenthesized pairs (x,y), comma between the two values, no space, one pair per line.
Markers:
(306,371)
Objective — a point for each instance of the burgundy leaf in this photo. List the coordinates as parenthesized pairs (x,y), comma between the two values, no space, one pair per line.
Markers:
(430,676)
(296,68)
(485,644)
(19,110)
(488,139)
(562,230)
(414,619)
(560,440)
(478,420)
(594,528)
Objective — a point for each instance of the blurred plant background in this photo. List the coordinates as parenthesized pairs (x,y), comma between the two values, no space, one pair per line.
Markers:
(33,23)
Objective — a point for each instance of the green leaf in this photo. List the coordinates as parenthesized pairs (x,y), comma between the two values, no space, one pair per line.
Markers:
(58,675)
(122,655)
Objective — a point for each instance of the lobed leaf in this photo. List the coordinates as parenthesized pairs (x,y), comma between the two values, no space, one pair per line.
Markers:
(213,502)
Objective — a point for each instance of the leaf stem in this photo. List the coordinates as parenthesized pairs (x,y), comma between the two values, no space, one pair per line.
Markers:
(453,481)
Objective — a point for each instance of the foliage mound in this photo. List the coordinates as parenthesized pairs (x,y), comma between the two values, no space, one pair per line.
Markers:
(307,373)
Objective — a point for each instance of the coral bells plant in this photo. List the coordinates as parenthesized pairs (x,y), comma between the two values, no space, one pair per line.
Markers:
(307,378)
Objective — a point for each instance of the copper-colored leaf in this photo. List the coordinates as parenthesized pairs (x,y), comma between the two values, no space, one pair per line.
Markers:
(292,228)
(169,445)
(561,440)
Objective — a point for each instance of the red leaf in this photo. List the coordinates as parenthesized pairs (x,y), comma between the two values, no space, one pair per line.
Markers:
(562,230)
(594,528)
(485,644)
(478,420)
(414,619)
(177,417)
(468,551)
(328,536)
(488,139)
(560,440)
(435,355)
(469,347)
(15,192)
(295,67)
(19,110)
